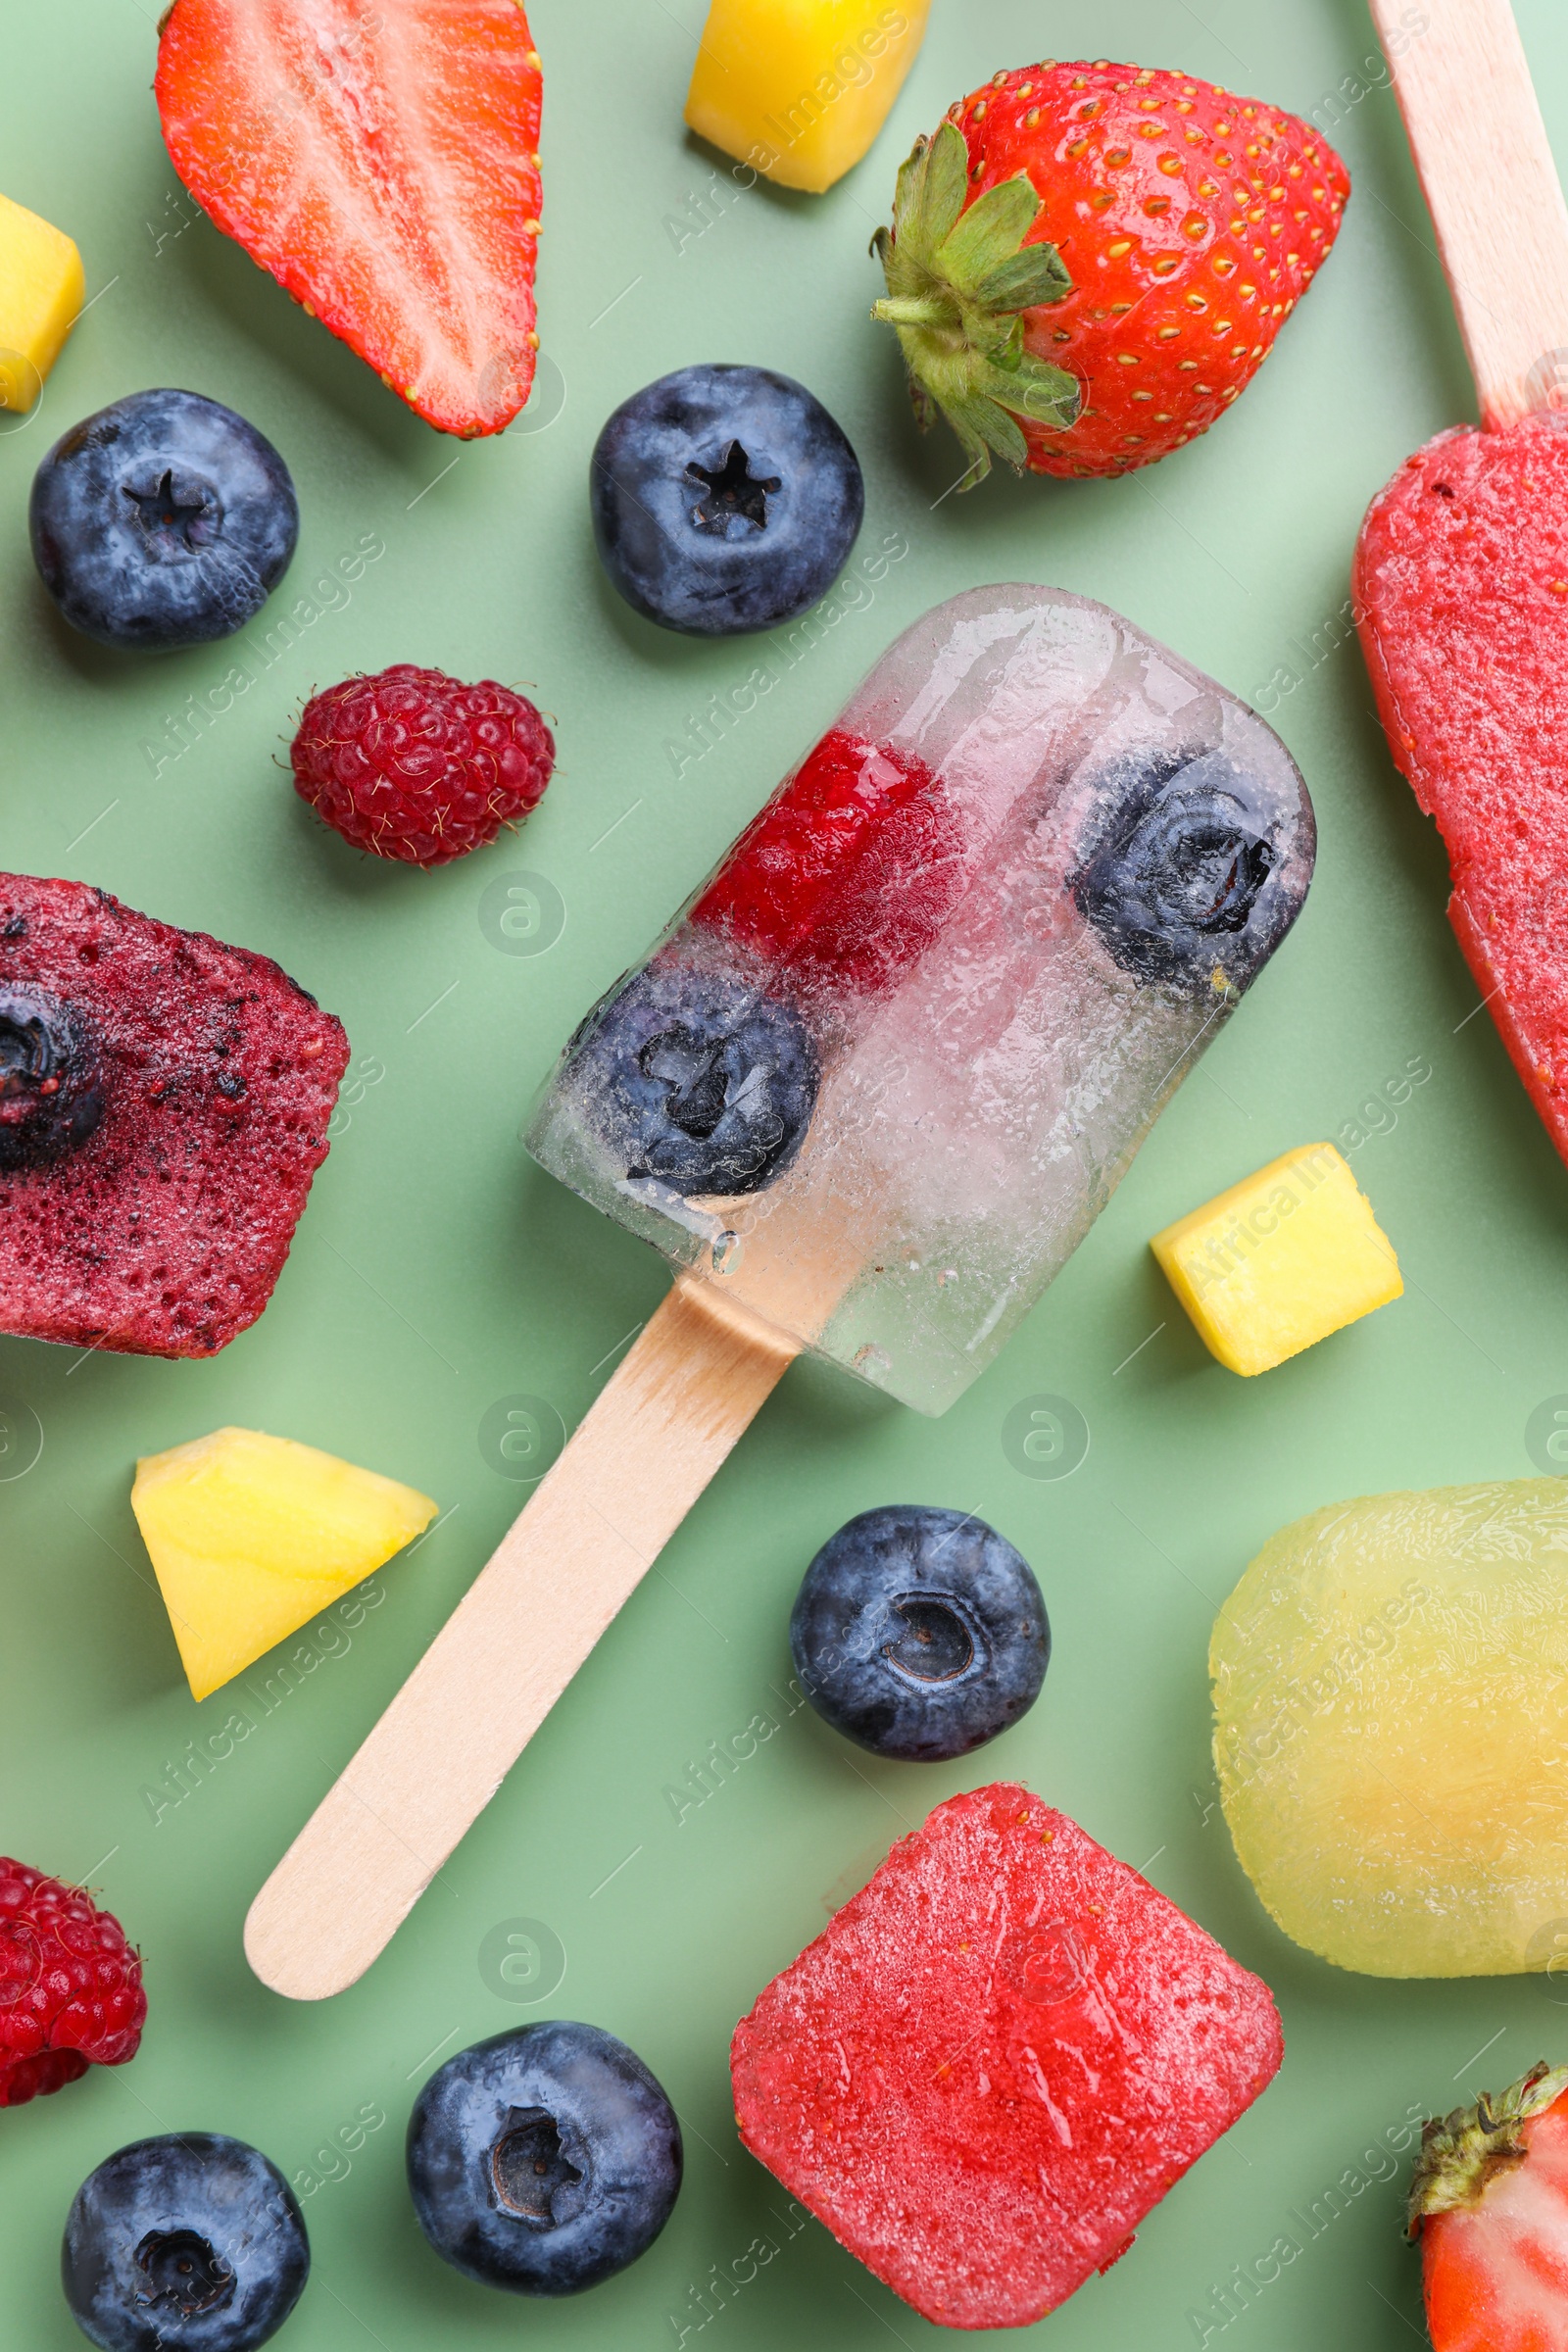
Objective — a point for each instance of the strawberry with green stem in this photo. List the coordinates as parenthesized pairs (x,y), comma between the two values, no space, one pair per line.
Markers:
(1089,263)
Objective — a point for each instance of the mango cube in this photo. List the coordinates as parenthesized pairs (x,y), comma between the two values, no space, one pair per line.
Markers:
(800,88)
(41,294)
(1279,1261)
(252,1536)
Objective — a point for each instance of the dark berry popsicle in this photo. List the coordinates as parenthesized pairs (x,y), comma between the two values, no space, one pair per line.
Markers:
(164,1101)
(997,2058)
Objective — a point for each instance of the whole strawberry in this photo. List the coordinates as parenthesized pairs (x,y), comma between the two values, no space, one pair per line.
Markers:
(70,1990)
(1089,263)
(1488,2206)
(411,764)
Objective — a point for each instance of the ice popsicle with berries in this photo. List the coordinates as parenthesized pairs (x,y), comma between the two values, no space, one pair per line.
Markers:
(1461,574)
(879,1082)
(867,1094)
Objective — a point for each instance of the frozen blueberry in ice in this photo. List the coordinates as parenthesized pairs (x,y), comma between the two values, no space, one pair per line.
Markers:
(696,1080)
(920,1633)
(51,1077)
(1191,871)
(544,2160)
(194,2240)
(724,499)
(163,520)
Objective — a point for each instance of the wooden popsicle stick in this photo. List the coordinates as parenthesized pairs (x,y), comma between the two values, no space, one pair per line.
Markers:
(655,1437)
(1486,170)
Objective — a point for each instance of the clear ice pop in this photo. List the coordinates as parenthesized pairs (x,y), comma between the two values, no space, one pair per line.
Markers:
(881,1074)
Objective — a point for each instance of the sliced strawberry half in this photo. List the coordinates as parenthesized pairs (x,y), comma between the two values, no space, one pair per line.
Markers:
(1489,2205)
(381,158)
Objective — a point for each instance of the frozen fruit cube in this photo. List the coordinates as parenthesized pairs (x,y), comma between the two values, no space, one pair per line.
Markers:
(997,2058)
(250,1535)
(163,1106)
(1389,1730)
(1279,1261)
(41,294)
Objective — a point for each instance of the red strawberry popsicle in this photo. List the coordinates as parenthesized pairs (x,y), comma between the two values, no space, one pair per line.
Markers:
(1461,575)
(164,1101)
(997,2058)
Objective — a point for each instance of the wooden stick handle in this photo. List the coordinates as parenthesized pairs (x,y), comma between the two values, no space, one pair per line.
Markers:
(633,1469)
(1485,165)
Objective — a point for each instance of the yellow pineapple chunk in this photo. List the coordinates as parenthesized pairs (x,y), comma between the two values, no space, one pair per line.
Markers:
(1279,1261)
(250,1535)
(1390,1721)
(41,294)
(800,88)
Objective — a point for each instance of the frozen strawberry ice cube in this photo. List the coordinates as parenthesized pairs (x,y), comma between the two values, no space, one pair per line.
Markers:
(164,1101)
(999,2057)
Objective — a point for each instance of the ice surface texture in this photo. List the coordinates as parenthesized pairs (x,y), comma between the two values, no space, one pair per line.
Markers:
(997,2058)
(1011,894)
(1388,1688)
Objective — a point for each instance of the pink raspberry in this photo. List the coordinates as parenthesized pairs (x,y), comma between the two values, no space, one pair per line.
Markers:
(411,764)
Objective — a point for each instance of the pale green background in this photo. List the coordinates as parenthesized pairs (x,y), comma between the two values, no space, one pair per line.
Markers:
(436,1271)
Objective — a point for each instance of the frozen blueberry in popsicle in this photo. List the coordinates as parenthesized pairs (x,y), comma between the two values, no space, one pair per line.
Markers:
(1183,877)
(995,2061)
(696,1082)
(1015,889)
(164,1101)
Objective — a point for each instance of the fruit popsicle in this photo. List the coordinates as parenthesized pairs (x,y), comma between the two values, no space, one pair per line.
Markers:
(880,1078)
(1388,1728)
(867,1095)
(1461,572)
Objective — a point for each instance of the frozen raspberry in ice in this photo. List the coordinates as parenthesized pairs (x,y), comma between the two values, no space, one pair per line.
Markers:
(997,2058)
(848,872)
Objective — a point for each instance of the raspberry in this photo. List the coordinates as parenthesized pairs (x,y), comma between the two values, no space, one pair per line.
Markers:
(411,764)
(848,871)
(70,1990)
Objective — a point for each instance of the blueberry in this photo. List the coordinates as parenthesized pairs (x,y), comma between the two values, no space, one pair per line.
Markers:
(920,1633)
(1194,868)
(163,520)
(51,1077)
(544,2160)
(190,2242)
(724,499)
(695,1080)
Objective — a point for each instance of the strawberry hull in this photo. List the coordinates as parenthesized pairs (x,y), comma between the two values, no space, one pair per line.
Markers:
(1461,599)
(164,1231)
(997,2058)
